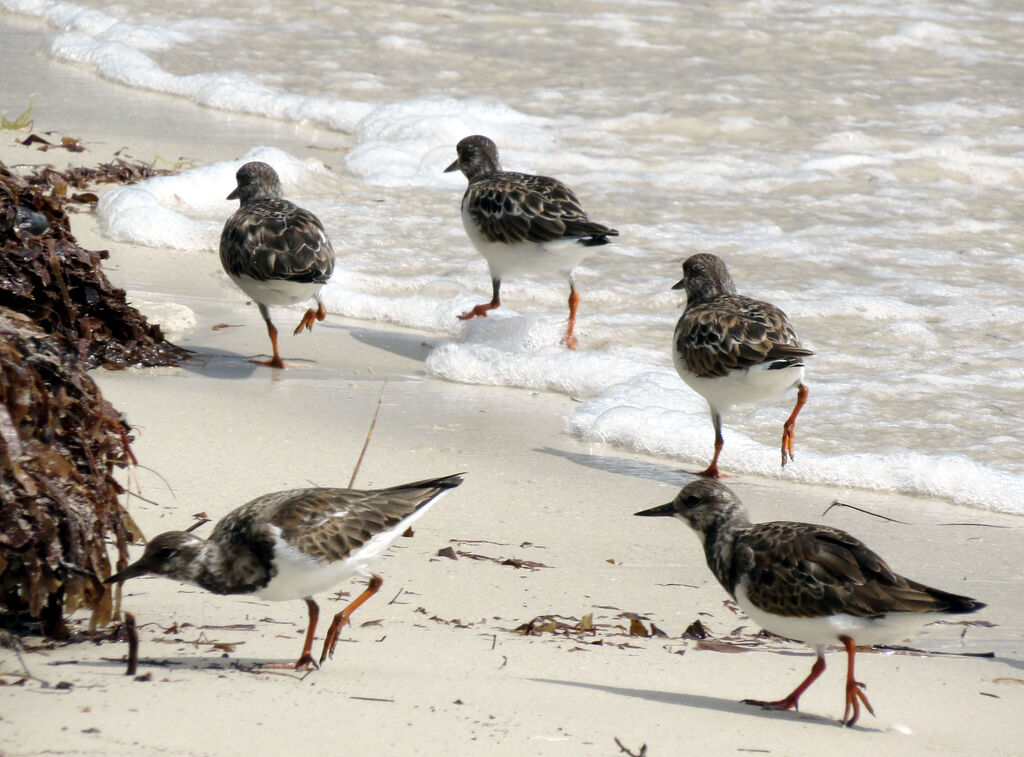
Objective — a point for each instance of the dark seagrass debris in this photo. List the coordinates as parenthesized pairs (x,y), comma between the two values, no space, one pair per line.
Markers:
(60,440)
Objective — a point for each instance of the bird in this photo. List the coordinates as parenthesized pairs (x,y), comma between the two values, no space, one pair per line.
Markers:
(273,250)
(807,582)
(732,349)
(522,223)
(292,545)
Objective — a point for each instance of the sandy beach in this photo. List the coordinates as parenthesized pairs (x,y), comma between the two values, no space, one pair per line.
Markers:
(542,526)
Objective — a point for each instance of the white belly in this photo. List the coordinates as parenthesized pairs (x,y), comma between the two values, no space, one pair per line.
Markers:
(276,292)
(739,387)
(827,629)
(299,575)
(557,256)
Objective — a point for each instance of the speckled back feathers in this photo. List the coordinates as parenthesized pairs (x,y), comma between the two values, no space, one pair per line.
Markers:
(269,237)
(721,331)
(327,525)
(514,208)
(798,569)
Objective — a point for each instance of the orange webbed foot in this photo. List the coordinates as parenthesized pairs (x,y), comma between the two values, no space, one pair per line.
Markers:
(480,311)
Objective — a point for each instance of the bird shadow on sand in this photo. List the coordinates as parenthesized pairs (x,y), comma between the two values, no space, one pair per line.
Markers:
(652,471)
(408,345)
(160,665)
(223,364)
(1009,661)
(698,701)
(663,474)
(214,362)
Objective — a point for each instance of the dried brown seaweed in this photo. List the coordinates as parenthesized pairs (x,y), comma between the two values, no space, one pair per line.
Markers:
(118,171)
(60,440)
(47,276)
(71,144)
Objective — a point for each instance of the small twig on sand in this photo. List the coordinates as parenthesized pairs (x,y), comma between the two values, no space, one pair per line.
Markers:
(133,644)
(641,753)
(837,503)
(369,433)
(257,670)
(197,524)
(9,639)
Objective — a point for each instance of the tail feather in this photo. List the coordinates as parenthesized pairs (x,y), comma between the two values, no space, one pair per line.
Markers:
(445,482)
(594,241)
(589,233)
(954,604)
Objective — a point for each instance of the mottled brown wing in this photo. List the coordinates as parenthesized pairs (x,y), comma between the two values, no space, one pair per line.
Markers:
(276,239)
(512,208)
(329,524)
(733,332)
(804,570)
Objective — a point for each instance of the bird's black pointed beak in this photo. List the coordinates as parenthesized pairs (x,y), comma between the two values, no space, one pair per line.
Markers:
(132,571)
(233,195)
(668,509)
(681,284)
(453,167)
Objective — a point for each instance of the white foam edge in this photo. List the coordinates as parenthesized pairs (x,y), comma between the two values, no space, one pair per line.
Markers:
(654,413)
(156,212)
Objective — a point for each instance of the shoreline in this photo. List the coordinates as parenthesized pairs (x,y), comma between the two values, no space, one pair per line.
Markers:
(443,669)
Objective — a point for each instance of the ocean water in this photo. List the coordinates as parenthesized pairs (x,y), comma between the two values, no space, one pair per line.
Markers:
(859,164)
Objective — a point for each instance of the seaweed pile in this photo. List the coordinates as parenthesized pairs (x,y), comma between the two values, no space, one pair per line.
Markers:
(60,440)
(60,286)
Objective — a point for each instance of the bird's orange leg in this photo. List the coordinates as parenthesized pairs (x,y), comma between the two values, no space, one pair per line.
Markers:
(790,702)
(712,470)
(305,662)
(276,361)
(343,617)
(574,301)
(854,688)
(788,426)
(481,310)
(311,315)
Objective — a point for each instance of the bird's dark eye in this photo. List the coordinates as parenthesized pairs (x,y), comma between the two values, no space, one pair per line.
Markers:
(166,553)
(692,501)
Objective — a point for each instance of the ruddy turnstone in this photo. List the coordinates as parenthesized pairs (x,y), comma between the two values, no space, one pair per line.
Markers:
(292,545)
(522,223)
(732,349)
(273,250)
(811,583)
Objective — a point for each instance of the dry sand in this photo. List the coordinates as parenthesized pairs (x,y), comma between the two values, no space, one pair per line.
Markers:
(433,664)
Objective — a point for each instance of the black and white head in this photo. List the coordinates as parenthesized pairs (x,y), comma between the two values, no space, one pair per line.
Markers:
(704,505)
(704,278)
(256,181)
(174,554)
(478,156)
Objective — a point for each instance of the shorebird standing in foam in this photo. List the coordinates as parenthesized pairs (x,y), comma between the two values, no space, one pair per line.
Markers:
(522,223)
(732,349)
(274,251)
